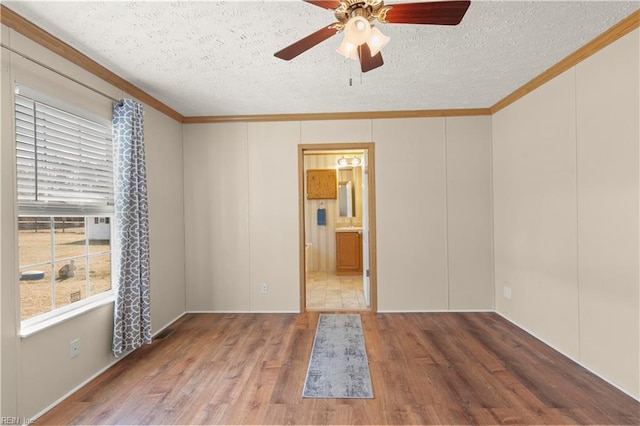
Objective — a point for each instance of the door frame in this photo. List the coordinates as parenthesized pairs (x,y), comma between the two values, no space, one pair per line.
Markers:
(370,174)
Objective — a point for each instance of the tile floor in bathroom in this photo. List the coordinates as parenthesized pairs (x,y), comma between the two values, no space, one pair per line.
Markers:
(326,290)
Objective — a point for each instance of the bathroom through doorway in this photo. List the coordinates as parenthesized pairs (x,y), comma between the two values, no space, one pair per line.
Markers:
(337,227)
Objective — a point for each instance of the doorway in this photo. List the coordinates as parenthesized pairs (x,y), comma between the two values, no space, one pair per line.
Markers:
(337,231)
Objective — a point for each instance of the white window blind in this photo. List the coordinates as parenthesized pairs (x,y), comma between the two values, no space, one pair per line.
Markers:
(64,161)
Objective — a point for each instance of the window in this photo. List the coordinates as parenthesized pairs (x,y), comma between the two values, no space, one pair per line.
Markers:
(63,260)
(65,194)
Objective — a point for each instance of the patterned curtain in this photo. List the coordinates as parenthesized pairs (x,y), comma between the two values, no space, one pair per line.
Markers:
(132,318)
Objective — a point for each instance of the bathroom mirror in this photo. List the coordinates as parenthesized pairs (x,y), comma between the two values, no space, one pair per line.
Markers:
(346,199)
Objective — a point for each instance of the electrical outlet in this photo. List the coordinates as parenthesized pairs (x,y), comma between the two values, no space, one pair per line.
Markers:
(264,288)
(507,292)
(74,348)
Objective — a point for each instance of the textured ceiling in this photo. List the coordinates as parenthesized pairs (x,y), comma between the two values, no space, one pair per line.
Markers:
(216,58)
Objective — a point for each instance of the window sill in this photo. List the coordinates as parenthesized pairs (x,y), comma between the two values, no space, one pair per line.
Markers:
(31,329)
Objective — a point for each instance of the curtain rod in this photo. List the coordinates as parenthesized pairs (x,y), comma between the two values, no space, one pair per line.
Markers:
(35,61)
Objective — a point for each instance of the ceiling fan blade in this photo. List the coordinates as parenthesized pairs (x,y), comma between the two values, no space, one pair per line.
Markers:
(368,62)
(436,13)
(306,43)
(326,4)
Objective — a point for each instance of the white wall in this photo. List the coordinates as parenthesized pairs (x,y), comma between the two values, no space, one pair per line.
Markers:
(433,194)
(37,371)
(165,187)
(273,215)
(433,212)
(534,168)
(566,191)
(241,216)
(608,135)
(411,214)
(216,197)
(469,213)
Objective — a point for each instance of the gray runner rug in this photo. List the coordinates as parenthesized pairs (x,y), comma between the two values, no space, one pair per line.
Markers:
(338,367)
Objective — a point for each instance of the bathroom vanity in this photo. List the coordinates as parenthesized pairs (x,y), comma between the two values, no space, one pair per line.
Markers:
(348,251)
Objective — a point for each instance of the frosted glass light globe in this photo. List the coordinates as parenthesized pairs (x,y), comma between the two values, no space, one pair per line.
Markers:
(357,30)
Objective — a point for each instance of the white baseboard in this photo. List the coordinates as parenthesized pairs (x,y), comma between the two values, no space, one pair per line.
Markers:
(161,329)
(242,312)
(434,311)
(83,383)
(577,361)
(99,372)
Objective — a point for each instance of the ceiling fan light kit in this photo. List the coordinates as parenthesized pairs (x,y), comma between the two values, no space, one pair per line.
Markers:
(362,38)
(348,49)
(357,30)
(377,40)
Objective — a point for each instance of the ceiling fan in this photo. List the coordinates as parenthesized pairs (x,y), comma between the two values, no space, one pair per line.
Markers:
(362,38)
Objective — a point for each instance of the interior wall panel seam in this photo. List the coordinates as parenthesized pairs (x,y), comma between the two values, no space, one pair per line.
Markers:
(577,177)
(446,213)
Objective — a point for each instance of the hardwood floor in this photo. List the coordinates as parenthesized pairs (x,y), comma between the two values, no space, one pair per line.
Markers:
(326,290)
(433,368)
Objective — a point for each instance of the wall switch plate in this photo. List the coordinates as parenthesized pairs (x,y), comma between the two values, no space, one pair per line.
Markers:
(74,348)
(507,292)
(264,288)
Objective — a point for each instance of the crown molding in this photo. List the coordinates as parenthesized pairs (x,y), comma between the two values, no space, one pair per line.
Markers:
(54,44)
(339,115)
(616,32)
(45,39)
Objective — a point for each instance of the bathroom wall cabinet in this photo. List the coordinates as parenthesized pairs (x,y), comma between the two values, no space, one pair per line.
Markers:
(348,253)
(322,184)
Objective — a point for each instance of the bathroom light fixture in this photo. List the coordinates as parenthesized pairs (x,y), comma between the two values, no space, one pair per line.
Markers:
(348,162)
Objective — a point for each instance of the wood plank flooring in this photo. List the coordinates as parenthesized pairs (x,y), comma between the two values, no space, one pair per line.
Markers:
(434,368)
